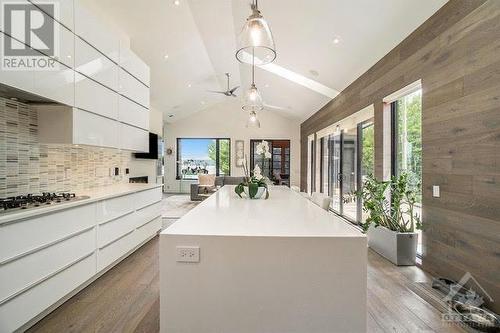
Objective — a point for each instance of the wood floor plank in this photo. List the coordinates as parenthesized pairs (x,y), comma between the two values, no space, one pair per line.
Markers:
(126,299)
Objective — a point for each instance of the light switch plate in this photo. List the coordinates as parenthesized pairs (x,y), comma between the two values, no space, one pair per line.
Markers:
(436,191)
(187,254)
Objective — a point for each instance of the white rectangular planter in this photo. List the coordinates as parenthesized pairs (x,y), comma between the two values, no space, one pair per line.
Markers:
(399,248)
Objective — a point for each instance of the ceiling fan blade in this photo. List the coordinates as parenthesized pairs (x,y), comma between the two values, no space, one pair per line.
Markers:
(234,89)
(217,92)
(234,95)
(268,106)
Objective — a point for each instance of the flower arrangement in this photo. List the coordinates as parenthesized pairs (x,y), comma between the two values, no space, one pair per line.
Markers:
(255,185)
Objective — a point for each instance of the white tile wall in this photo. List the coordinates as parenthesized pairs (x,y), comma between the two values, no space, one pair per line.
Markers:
(26,166)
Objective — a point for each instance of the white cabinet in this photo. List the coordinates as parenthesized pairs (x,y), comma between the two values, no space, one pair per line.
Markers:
(94,97)
(64,125)
(133,138)
(57,85)
(90,28)
(64,7)
(132,88)
(56,226)
(132,113)
(95,65)
(134,65)
(23,80)
(34,267)
(32,302)
(61,251)
(94,130)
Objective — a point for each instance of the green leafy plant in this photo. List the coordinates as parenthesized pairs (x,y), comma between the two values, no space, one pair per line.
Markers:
(390,204)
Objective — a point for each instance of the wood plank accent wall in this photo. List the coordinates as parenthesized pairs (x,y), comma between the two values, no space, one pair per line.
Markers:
(456,54)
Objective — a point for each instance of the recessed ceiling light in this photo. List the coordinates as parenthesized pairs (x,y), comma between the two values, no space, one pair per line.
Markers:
(177,2)
(202,102)
(336,40)
(165,56)
(266,85)
(189,85)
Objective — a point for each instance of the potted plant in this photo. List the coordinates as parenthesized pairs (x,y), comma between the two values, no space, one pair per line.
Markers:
(255,185)
(392,219)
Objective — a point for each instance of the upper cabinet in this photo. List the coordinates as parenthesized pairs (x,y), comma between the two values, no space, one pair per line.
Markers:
(91,29)
(104,83)
(134,65)
(65,9)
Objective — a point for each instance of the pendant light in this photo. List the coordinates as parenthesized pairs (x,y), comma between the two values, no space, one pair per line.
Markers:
(253,121)
(252,99)
(256,38)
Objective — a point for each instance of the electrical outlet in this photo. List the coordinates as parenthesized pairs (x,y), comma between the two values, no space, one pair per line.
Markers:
(436,191)
(187,254)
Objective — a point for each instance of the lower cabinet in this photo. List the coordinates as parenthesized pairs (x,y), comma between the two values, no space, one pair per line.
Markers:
(63,250)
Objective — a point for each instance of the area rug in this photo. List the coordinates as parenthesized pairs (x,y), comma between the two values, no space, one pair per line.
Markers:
(176,206)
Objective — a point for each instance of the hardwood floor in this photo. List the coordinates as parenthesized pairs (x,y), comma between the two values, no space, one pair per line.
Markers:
(126,299)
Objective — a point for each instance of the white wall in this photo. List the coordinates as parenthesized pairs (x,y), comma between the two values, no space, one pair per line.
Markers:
(228,120)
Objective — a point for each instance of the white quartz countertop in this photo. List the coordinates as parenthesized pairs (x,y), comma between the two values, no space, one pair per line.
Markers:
(95,194)
(284,214)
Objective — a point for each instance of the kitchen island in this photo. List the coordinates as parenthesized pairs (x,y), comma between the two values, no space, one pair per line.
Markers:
(235,265)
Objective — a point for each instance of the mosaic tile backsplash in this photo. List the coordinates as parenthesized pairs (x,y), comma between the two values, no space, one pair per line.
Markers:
(26,166)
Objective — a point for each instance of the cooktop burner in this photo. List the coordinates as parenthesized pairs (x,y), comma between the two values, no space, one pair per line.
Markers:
(37,200)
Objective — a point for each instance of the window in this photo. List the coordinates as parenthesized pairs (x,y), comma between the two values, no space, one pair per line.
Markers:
(278,168)
(203,156)
(407,142)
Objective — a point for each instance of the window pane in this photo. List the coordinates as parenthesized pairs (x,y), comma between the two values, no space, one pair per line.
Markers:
(277,150)
(409,145)
(200,156)
(224,157)
(349,180)
(367,159)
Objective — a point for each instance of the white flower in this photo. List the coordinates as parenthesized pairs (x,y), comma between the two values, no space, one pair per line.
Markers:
(256,170)
(258,177)
(268,154)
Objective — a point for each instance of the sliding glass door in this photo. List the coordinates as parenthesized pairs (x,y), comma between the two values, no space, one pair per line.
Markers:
(347,161)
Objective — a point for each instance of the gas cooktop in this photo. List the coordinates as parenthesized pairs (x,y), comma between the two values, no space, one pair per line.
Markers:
(31,201)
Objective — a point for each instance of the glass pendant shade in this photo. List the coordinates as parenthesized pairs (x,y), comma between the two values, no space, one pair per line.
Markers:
(253,121)
(256,39)
(252,100)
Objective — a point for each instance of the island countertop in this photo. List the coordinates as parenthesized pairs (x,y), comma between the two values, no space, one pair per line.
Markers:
(285,213)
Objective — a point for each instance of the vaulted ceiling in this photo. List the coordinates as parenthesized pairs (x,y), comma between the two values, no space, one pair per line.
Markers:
(322,46)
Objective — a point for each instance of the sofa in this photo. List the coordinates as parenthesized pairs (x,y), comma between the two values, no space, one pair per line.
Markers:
(201,193)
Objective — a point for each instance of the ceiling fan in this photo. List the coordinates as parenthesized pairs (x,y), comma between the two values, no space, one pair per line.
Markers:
(228,92)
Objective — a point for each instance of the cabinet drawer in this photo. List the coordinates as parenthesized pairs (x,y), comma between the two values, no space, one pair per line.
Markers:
(113,208)
(33,268)
(146,198)
(95,65)
(148,230)
(114,251)
(132,88)
(94,97)
(112,230)
(66,11)
(133,138)
(29,304)
(57,85)
(96,33)
(147,213)
(94,130)
(43,230)
(134,65)
(132,113)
